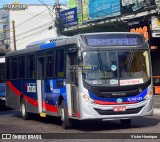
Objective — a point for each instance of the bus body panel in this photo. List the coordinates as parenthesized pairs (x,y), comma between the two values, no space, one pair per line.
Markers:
(52,93)
(13,94)
(17,89)
(104,111)
(97,105)
(91,113)
(28,89)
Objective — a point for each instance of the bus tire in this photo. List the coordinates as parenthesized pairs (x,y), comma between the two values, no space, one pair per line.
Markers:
(125,122)
(24,112)
(66,122)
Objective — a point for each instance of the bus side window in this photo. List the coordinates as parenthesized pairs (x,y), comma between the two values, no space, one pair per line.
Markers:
(59,68)
(50,64)
(8,69)
(22,67)
(30,69)
(14,68)
(2,72)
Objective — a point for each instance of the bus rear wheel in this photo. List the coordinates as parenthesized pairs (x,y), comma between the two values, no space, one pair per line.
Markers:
(24,113)
(66,122)
(126,122)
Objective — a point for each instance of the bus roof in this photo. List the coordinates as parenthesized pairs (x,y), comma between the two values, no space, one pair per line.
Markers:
(44,41)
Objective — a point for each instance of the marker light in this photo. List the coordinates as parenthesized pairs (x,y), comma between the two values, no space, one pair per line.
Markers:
(149,95)
(86,98)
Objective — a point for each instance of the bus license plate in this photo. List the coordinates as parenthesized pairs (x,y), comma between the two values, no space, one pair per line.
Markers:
(119,108)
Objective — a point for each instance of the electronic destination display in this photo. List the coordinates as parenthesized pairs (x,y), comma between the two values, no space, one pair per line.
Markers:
(113,40)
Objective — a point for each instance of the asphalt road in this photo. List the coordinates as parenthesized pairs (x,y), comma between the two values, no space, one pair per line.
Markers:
(11,122)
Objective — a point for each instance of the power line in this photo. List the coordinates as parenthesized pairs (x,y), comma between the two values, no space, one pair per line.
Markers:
(47,6)
(41,26)
(58,24)
(25,22)
(33,13)
(43,30)
(30,38)
(46,24)
(30,19)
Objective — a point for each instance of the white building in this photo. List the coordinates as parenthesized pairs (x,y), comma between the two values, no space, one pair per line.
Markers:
(31,24)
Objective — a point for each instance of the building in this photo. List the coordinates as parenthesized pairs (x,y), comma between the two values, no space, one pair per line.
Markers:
(31,23)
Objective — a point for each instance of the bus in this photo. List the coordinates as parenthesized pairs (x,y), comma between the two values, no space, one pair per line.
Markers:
(2,82)
(92,76)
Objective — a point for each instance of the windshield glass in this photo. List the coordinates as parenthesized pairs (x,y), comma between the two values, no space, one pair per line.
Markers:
(113,68)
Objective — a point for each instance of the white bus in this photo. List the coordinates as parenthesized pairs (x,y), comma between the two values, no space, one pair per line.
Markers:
(99,76)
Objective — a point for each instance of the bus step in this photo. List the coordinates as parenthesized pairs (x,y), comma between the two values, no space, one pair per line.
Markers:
(42,114)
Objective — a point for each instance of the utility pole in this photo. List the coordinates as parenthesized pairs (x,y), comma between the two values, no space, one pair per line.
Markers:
(14,34)
(57,10)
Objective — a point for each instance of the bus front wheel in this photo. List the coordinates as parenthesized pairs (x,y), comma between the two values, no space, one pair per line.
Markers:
(125,122)
(23,109)
(66,122)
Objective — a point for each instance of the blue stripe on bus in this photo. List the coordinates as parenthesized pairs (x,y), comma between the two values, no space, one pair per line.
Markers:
(48,45)
(138,97)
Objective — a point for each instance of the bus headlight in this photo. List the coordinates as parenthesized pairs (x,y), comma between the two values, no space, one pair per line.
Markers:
(86,98)
(149,95)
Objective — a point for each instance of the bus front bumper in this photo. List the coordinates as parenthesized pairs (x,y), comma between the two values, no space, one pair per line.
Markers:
(95,111)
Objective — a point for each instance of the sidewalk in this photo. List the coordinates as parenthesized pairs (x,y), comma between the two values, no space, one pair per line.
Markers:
(157,101)
(156,104)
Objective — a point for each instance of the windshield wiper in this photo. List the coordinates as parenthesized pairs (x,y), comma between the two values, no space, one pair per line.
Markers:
(130,59)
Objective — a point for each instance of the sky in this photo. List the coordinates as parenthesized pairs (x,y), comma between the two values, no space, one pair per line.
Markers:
(2,2)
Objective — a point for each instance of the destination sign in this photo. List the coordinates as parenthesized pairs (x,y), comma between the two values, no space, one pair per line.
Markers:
(111,40)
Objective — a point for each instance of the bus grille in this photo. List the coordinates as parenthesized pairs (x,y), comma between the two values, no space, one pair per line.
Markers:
(111,112)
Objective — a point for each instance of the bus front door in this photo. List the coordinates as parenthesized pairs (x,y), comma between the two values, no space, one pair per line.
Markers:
(40,86)
(72,81)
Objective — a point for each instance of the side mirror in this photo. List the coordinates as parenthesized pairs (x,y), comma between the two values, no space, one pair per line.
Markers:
(71,49)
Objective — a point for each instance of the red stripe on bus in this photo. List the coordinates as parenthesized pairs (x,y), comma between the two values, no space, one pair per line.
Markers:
(18,93)
(51,108)
(14,89)
(111,103)
(31,101)
(77,114)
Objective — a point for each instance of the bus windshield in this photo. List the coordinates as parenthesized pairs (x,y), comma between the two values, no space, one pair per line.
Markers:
(116,68)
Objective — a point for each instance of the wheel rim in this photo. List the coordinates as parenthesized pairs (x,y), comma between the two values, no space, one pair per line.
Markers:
(62,114)
(23,109)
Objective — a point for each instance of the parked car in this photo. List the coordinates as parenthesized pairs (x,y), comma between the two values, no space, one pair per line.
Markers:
(2,95)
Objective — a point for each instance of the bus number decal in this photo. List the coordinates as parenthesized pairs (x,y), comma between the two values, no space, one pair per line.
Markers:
(31,87)
(56,90)
(135,99)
